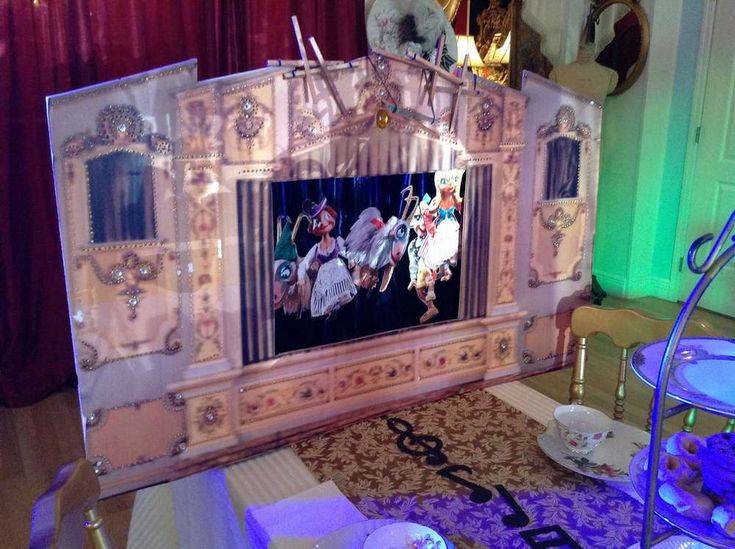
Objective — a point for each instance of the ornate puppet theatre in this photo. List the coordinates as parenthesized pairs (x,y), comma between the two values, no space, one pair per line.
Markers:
(271,251)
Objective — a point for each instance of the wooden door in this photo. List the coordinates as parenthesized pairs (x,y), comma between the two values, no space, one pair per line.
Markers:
(712,193)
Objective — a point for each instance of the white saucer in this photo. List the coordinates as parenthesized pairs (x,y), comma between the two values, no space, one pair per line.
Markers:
(400,535)
(608,462)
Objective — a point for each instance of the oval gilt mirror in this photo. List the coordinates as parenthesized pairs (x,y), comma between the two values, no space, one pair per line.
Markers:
(622,36)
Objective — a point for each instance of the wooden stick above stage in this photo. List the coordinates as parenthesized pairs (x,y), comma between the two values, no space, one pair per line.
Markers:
(437,62)
(309,89)
(327,76)
(455,98)
(416,60)
(298,63)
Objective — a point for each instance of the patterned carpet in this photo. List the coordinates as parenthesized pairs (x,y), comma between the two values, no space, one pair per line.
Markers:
(470,468)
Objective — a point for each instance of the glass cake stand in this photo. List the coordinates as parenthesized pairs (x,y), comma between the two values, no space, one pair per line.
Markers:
(697,372)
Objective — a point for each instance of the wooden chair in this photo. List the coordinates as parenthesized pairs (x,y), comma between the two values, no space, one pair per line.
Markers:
(627,328)
(66,510)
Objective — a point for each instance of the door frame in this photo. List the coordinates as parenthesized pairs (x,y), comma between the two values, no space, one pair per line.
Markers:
(692,150)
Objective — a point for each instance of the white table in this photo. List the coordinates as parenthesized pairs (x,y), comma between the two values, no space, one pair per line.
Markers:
(210,509)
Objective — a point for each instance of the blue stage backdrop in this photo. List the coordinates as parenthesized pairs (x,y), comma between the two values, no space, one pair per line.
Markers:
(370,311)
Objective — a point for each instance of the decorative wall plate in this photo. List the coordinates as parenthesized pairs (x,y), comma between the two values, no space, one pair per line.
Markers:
(413,27)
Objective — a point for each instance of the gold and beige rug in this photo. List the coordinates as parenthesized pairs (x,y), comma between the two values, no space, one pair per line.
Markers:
(469,467)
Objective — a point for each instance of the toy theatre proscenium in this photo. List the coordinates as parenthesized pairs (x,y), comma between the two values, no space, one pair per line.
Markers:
(269,252)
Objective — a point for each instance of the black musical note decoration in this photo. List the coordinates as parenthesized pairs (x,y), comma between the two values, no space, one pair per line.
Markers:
(479,494)
(518,518)
(534,538)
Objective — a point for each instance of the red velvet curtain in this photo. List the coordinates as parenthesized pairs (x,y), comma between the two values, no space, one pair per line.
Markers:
(51,46)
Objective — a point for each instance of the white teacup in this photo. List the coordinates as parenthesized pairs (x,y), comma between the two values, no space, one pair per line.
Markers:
(581,428)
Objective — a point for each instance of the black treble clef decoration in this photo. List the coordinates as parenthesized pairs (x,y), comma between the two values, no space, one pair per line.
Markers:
(426,446)
(430,447)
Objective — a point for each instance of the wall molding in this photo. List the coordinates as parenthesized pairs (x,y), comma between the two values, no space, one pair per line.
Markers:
(613,284)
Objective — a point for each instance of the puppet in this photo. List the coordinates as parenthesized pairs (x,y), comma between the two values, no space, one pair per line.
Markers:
(443,250)
(333,286)
(423,278)
(287,294)
(373,244)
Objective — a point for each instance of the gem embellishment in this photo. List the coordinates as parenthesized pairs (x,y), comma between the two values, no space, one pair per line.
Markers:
(176,401)
(382,67)
(179,445)
(307,127)
(88,356)
(248,124)
(76,145)
(93,419)
(382,119)
(503,347)
(565,118)
(558,222)
(565,122)
(210,415)
(131,271)
(101,465)
(485,118)
(160,143)
(119,125)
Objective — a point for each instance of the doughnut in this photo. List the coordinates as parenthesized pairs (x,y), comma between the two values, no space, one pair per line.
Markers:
(718,467)
(675,469)
(687,502)
(723,517)
(688,446)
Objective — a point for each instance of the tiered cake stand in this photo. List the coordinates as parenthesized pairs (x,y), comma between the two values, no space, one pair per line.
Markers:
(697,372)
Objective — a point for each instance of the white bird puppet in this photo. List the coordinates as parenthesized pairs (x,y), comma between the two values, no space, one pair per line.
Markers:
(373,244)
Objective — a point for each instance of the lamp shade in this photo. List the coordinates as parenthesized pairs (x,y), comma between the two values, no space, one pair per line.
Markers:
(466,46)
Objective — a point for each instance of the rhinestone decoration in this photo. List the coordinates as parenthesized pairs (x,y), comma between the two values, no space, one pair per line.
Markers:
(382,67)
(160,144)
(93,419)
(131,271)
(560,219)
(76,145)
(381,118)
(101,466)
(503,347)
(179,446)
(89,356)
(119,124)
(565,118)
(564,122)
(556,239)
(307,127)
(172,345)
(248,124)
(210,415)
(485,118)
(176,400)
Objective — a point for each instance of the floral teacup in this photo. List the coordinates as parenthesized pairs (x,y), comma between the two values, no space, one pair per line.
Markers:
(581,429)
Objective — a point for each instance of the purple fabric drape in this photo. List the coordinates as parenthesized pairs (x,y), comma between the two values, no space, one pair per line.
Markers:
(51,46)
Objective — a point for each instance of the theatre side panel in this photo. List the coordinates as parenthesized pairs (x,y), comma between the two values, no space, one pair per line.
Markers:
(560,169)
(118,203)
